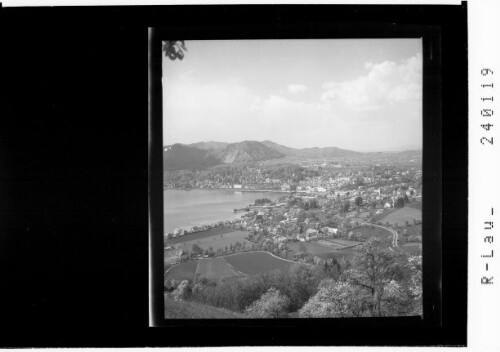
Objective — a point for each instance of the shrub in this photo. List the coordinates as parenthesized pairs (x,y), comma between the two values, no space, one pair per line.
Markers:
(334,299)
(272,304)
(183,291)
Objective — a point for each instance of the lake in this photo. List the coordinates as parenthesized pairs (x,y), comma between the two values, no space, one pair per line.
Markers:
(185,209)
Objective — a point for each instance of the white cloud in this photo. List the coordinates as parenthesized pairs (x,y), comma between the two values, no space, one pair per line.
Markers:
(296,88)
(385,83)
(375,111)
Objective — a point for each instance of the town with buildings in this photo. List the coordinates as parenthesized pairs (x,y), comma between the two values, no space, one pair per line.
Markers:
(310,203)
(312,234)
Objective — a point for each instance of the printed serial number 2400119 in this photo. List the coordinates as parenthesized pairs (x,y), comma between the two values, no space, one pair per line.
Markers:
(487,109)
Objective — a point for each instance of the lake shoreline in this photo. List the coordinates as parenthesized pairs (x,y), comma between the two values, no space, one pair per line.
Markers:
(197,208)
(231,189)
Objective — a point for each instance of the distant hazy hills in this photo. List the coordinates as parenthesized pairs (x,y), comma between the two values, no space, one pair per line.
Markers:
(202,155)
(328,152)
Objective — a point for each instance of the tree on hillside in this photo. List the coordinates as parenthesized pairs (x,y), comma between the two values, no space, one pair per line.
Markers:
(415,287)
(335,299)
(375,271)
(303,283)
(174,49)
(183,291)
(272,304)
(358,201)
(301,216)
(400,202)
(346,206)
(332,268)
(195,249)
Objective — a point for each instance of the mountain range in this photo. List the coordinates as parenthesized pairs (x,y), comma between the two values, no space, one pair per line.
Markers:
(202,155)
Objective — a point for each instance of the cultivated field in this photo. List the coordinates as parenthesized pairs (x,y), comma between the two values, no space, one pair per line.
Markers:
(339,254)
(402,215)
(339,242)
(183,271)
(312,248)
(327,249)
(199,235)
(215,241)
(384,235)
(241,264)
(214,269)
(252,263)
(378,217)
(330,244)
(416,205)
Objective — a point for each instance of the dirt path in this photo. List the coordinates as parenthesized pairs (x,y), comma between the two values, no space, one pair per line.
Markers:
(392,231)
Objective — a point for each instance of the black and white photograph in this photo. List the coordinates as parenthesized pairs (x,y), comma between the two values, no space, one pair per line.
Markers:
(214,174)
(292,178)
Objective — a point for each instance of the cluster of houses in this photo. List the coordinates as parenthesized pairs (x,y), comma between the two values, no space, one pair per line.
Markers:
(312,234)
(331,181)
(279,222)
(279,218)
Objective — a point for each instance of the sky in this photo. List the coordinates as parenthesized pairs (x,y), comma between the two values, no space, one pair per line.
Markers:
(357,94)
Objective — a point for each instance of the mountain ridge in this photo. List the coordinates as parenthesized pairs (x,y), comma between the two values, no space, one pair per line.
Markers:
(246,151)
(202,155)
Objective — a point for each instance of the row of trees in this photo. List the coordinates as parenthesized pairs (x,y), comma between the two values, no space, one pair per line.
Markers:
(231,248)
(306,205)
(262,201)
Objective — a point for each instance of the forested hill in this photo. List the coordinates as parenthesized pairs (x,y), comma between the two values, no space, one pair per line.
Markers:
(181,157)
(203,155)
